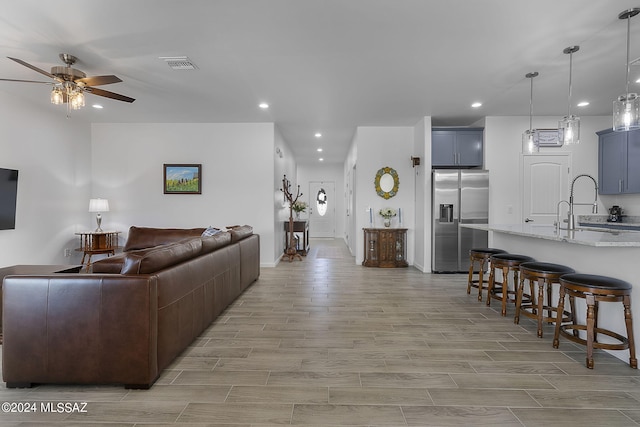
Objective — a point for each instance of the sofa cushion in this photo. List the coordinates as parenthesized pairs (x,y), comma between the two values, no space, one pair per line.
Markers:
(109,265)
(147,237)
(240,232)
(211,243)
(153,259)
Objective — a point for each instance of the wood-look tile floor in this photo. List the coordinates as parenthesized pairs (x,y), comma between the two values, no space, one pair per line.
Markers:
(326,342)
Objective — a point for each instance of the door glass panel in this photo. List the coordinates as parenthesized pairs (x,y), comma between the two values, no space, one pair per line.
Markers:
(321,202)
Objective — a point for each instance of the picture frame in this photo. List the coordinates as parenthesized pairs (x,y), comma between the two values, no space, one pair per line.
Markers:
(182,178)
(547,138)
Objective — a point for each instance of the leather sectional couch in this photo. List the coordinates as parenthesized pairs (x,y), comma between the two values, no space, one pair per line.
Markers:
(132,316)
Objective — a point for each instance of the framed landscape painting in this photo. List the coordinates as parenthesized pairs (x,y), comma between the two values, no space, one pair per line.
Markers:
(182,178)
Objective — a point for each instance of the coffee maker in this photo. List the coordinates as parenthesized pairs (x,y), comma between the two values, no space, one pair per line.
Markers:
(615,214)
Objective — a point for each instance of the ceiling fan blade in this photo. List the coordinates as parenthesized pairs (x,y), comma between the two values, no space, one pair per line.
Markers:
(99,80)
(107,94)
(25,81)
(33,67)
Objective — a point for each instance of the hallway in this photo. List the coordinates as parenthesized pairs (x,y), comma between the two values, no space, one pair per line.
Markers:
(326,342)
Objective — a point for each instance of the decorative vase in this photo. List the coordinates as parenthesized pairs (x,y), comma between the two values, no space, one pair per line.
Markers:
(297,216)
(387,222)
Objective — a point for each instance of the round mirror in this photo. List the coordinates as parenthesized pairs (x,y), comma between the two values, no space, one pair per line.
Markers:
(387,182)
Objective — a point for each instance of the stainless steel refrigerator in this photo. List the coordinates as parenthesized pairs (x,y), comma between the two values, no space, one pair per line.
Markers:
(458,196)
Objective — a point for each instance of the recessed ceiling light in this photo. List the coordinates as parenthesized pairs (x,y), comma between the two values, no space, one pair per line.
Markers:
(319,150)
(321,159)
(583,104)
(476,104)
(97,106)
(318,135)
(263,105)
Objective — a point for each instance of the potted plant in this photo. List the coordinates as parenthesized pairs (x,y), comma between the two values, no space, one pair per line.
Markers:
(299,206)
(387,214)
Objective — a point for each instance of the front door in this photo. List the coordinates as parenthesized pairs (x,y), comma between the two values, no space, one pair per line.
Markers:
(322,211)
(545,182)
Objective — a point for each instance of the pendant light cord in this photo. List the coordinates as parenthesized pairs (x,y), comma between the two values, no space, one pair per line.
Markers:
(628,42)
(569,101)
(531,76)
(531,107)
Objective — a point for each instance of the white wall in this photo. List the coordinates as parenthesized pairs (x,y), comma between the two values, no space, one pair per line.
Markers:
(52,154)
(328,173)
(285,165)
(422,176)
(378,147)
(351,178)
(237,176)
(503,145)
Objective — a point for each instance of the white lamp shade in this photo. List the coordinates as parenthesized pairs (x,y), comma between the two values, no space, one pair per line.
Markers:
(98,205)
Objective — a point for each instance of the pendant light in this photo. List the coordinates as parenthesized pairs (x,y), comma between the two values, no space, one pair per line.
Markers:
(569,125)
(626,109)
(529,137)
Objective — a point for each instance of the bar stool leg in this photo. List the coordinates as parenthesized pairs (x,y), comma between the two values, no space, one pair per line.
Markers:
(540,310)
(590,329)
(470,275)
(480,279)
(505,288)
(519,291)
(633,362)
(556,333)
(491,285)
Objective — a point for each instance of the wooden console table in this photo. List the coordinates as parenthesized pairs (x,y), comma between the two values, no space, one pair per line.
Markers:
(385,247)
(97,242)
(298,227)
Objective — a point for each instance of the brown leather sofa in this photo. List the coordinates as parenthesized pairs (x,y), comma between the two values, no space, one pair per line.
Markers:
(129,319)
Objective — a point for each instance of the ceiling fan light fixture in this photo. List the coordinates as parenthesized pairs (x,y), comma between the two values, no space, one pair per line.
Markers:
(76,99)
(569,125)
(626,109)
(56,95)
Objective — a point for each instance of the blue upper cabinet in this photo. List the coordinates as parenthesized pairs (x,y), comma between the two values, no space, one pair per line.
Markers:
(618,157)
(457,147)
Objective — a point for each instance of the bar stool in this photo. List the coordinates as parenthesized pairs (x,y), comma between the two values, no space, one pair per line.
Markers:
(480,256)
(505,262)
(595,289)
(543,275)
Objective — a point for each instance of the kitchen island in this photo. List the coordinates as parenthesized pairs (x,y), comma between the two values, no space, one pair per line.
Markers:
(614,253)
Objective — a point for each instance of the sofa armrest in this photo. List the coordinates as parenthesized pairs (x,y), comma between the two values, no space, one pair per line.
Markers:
(83,329)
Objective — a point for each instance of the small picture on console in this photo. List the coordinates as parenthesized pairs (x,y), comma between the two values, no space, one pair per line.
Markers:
(182,179)
(8,198)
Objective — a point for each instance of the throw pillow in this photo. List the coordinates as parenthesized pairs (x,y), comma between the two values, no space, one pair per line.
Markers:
(210,231)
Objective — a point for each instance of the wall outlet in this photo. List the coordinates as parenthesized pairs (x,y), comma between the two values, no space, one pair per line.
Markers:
(67,252)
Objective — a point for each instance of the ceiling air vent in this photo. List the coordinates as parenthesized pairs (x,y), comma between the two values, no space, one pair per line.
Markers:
(179,62)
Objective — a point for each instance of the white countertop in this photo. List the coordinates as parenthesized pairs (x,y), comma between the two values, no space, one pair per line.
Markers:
(581,236)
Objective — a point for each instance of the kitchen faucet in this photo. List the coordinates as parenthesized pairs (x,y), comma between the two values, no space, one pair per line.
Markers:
(572,223)
(557,223)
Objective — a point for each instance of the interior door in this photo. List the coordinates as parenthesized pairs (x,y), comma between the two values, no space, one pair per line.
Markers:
(322,211)
(545,182)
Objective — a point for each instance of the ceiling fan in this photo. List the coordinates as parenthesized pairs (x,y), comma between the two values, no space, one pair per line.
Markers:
(69,84)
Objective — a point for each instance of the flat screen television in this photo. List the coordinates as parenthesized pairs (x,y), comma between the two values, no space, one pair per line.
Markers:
(8,197)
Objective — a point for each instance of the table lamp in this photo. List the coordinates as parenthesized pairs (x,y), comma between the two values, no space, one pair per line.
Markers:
(98,206)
